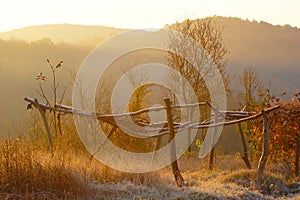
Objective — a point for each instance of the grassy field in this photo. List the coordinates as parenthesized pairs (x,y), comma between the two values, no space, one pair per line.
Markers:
(29,171)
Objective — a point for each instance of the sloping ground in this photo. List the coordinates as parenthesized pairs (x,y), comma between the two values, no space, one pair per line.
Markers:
(240,184)
(29,171)
(209,189)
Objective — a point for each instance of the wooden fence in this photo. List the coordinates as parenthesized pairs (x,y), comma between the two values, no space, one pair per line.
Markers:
(154,130)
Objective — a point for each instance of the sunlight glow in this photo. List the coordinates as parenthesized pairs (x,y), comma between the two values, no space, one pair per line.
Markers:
(141,14)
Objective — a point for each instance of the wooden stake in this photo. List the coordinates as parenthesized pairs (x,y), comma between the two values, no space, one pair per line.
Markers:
(265,151)
(189,116)
(212,152)
(59,124)
(245,149)
(178,178)
(297,151)
(42,112)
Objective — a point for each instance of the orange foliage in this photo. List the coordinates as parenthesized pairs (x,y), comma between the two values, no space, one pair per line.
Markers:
(284,132)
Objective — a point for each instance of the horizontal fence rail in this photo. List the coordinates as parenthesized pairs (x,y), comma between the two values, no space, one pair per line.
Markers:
(145,129)
(160,128)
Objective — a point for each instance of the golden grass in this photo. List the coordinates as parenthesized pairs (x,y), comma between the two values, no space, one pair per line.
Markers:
(239,175)
(32,172)
(25,171)
(29,171)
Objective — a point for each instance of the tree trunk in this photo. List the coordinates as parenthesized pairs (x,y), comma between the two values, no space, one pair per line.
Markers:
(178,178)
(245,149)
(265,151)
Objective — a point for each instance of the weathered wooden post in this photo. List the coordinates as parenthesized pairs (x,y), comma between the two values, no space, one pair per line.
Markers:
(212,152)
(178,178)
(59,123)
(297,156)
(265,151)
(297,150)
(42,112)
(189,118)
(245,149)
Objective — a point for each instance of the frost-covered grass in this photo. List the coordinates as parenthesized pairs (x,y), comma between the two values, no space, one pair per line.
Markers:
(30,172)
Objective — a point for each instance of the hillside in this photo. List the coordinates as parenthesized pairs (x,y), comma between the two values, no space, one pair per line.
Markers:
(273,50)
(63,33)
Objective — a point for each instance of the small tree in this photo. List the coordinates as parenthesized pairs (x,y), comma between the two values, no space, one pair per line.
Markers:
(54,91)
(250,88)
(139,100)
(206,33)
(284,133)
(250,85)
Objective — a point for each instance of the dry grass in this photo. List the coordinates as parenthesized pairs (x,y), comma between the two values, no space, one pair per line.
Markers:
(29,171)
(24,170)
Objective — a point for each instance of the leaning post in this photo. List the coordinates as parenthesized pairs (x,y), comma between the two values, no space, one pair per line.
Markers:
(42,112)
(245,149)
(265,151)
(178,178)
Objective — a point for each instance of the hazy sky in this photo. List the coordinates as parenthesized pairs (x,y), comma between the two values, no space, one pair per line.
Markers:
(141,13)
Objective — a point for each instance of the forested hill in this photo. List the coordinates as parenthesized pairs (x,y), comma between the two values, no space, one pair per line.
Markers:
(63,33)
(273,50)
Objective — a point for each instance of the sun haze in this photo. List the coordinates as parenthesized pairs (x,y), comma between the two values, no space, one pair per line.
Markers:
(141,14)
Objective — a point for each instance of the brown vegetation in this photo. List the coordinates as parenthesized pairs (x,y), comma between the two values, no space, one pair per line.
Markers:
(29,171)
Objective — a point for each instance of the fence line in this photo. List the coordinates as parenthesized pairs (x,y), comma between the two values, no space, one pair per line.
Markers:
(158,129)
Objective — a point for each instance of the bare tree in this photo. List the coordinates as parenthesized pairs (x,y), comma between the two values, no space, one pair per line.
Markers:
(207,33)
(251,84)
(140,96)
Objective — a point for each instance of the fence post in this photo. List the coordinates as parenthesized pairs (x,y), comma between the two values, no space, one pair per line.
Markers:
(211,158)
(297,151)
(178,178)
(265,150)
(42,112)
(59,124)
(212,152)
(245,149)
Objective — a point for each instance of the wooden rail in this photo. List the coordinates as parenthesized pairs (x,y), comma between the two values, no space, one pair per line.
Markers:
(157,130)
